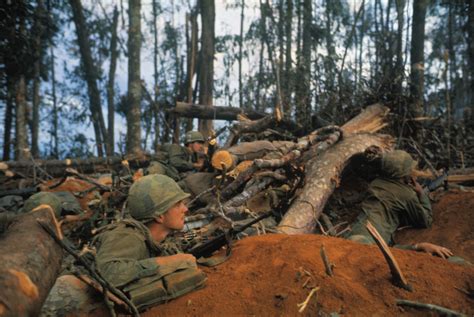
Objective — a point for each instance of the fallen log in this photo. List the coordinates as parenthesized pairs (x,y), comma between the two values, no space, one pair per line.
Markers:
(322,177)
(323,171)
(30,262)
(187,110)
(57,168)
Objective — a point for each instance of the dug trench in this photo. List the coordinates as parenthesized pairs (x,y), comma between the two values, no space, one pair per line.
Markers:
(270,275)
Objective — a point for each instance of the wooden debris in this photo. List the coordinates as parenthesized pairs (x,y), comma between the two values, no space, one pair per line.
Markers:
(397,275)
(327,264)
(322,175)
(30,261)
(303,305)
(435,308)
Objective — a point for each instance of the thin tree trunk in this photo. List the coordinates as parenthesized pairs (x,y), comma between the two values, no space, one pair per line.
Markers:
(399,72)
(54,132)
(36,78)
(134,81)
(471,56)
(207,60)
(90,74)
(155,76)
(8,120)
(241,96)
(192,49)
(287,79)
(111,83)
(21,137)
(417,54)
(303,95)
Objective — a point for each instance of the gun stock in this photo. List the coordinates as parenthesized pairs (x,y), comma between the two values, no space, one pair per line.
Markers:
(436,183)
(206,249)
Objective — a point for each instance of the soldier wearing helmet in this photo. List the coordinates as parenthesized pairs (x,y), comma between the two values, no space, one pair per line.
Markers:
(191,156)
(128,252)
(393,200)
(180,160)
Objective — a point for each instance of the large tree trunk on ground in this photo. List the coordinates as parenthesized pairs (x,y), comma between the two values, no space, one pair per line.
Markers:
(186,110)
(323,171)
(322,175)
(57,168)
(30,261)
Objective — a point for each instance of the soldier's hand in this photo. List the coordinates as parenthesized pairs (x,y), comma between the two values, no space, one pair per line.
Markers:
(416,186)
(172,259)
(199,164)
(434,249)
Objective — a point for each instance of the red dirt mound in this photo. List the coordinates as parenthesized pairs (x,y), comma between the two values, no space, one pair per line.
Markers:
(269,275)
(453,224)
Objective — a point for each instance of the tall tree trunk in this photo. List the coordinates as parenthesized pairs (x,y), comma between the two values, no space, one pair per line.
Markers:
(206,80)
(36,77)
(156,116)
(134,82)
(303,95)
(8,120)
(287,79)
(111,83)
(192,49)
(241,96)
(54,130)
(400,6)
(417,54)
(90,74)
(471,56)
(21,137)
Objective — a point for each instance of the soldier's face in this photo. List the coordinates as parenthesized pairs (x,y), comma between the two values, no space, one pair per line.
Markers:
(174,218)
(197,147)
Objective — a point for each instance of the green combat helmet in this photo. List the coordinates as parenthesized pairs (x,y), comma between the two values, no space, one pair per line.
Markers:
(43,198)
(398,164)
(152,196)
(193,136)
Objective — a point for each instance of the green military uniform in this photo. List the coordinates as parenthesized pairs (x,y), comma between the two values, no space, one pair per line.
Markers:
(389,205)
(181,158)
(391,202)
(126,250)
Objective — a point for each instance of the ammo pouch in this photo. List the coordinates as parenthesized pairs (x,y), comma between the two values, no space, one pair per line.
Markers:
(166,285)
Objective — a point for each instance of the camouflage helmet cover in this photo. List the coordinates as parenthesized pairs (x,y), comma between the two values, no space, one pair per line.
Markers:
(193,136)
(43,198)
(398,164)
(152,196)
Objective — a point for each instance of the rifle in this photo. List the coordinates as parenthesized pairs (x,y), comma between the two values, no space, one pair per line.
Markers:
(436,183)
(206,249)
(94,279)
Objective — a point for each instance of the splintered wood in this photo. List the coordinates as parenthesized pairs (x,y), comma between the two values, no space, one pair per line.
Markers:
(397,275)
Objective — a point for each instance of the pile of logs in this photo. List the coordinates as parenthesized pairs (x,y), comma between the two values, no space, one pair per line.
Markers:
(306,170)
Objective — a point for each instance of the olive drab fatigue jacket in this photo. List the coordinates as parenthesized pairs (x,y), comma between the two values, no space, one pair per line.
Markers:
(390,204)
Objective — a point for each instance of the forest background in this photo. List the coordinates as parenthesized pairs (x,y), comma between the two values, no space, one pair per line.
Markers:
(95,78)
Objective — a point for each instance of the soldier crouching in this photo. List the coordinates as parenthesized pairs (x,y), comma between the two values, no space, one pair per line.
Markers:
(128,253)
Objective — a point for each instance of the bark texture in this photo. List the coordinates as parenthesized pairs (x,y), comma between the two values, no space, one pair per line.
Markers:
(323,171)
(210,113)
(30,261)
(206,72)
(134,82)
(91,76)
(57,168)
(323,175)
